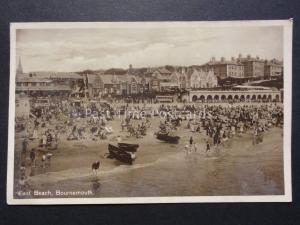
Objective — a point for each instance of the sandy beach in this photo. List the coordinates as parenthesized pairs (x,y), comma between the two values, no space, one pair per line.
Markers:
(161,169)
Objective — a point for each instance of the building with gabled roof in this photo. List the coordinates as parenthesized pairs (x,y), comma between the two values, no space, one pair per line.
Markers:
(95,85)
(111,84)
(129,84)
(179,78)
(163,71)
(203,79)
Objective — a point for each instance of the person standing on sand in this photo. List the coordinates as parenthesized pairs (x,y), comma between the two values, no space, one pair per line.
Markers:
(192,144)
(48,159)
(22,181)
(44,161)
(123,124)
(35,134)
(186,149)
(207,146)
(195,147)
(254,136)
(32,157)
(191,140)
(44,140)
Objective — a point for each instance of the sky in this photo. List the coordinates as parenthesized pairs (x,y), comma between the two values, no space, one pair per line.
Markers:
(69,50)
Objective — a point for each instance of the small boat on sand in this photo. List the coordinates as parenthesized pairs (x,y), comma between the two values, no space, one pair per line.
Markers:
(128,147)
(167,138)
(121,155)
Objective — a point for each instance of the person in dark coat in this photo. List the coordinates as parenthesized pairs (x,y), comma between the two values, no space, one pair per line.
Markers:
(191,141)
(32,157)
(207,146)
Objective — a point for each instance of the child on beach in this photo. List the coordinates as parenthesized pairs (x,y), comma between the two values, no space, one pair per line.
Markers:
(187,149)
(44,161)
(207,146)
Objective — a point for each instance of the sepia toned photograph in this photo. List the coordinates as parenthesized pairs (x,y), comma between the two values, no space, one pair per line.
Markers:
(150,112)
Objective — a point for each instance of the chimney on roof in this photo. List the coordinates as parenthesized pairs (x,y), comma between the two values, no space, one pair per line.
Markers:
(232,59)
(213,59)
(222,59)
(248,56)
(240,56)
(257,57)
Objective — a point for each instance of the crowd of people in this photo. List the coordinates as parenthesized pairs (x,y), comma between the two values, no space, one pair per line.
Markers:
(222,123)
(64,120)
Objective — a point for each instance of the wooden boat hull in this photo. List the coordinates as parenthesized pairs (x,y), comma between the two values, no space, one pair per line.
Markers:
(168,138)
(120,155)
(128,147)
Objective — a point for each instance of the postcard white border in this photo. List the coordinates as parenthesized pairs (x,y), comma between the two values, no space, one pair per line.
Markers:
(287,32)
